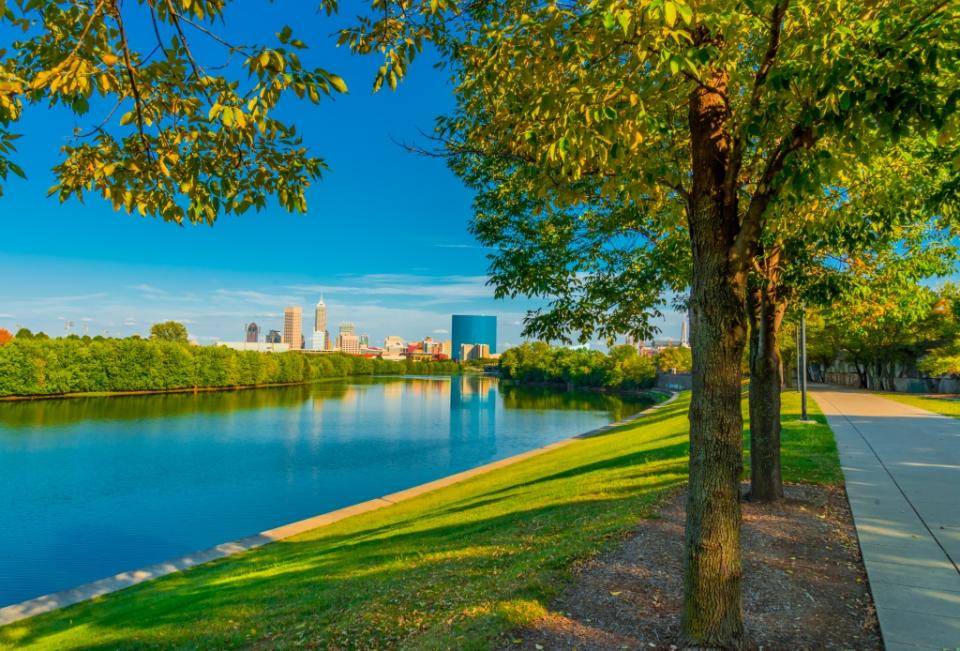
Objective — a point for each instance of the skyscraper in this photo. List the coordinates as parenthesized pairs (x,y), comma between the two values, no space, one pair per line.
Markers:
(320,316)
(293,327)
(473,330)
(319,339)
(347,328)
(253,333)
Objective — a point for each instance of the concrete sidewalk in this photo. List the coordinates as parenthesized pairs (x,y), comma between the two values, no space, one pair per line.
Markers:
(902,471)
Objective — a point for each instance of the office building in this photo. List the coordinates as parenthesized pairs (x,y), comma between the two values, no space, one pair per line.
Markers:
(319,340)
(320,316)
(274,337)
(347,328)
(253,333)
(474,330)
(469,352)
(348,343)
(293,327)
(365,341)
(394,344)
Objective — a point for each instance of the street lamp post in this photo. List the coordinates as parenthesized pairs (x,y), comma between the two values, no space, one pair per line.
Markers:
(803,364)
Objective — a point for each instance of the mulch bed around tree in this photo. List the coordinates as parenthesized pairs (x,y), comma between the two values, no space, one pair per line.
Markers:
(804,583)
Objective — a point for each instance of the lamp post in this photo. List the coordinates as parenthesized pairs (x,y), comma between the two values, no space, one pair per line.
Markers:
(803,364)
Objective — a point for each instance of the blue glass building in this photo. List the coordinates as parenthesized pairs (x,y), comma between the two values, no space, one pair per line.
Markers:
(473,329)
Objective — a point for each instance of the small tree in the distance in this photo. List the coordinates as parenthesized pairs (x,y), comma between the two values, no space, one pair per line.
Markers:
(676,359)
(169,331)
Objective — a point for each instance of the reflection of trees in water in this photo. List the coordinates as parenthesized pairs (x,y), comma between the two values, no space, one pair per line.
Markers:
(63,411)
(545,398)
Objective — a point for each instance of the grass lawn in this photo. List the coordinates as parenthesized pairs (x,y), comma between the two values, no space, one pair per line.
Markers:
(455,568)
(947,405)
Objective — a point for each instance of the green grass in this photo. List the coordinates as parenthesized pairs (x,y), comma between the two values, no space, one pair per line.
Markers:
(455,568)
(946,405)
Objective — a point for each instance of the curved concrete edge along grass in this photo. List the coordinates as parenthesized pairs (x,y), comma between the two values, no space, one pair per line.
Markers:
(55,601)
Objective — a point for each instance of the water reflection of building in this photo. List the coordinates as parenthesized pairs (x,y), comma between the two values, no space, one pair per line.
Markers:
(473,419)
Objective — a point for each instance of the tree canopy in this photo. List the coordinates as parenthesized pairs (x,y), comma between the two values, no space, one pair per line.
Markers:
(169,133)
(723,115)
(169,331)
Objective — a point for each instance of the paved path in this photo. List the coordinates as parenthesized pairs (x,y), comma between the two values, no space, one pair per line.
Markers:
(902,469)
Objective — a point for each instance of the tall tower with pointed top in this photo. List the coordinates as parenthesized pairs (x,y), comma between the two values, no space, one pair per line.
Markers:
(320,316)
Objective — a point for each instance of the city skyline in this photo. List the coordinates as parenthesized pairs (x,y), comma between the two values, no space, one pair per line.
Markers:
(409,305)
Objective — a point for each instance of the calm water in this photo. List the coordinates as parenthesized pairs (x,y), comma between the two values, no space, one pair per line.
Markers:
(90,487)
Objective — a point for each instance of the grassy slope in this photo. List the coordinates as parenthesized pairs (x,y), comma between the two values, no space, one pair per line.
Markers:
(947,405)
(450,569)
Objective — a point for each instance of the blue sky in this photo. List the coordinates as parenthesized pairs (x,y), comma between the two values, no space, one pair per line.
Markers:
(385,237)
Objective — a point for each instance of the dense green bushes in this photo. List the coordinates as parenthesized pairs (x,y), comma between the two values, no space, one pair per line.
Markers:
(540,363)
(55,366)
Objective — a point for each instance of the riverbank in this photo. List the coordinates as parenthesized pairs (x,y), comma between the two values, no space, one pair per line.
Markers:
(457,567)
(156,392)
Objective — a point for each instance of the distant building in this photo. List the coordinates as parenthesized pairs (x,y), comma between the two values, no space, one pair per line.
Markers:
(320,316)
(446,348)
(253,333)
(365,341)
(348,343)
(473,330)
(293,327)
(394,345)
(274,337)
(469,352)
(347,328)
(256,346)
(319,340)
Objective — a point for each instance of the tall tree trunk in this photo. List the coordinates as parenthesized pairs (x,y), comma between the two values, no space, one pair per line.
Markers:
(713,612)
(766,483)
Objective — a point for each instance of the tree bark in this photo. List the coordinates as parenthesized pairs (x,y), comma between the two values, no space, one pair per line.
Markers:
(713,613)
(766,483)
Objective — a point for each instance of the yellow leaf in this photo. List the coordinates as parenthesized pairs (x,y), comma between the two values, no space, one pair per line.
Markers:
(338,83)
(109,59)
(670,13)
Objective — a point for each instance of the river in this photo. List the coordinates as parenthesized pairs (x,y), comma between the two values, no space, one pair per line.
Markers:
(90,487)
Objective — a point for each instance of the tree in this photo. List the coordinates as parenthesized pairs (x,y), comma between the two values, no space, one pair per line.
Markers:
(5,337)
(675,359)
(886,210)
(169,331)
(731,111)
(170,135)
(24,333)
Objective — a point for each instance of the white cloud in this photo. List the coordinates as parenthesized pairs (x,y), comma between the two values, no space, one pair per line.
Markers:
(430,290)
(255,297)
(441,331)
